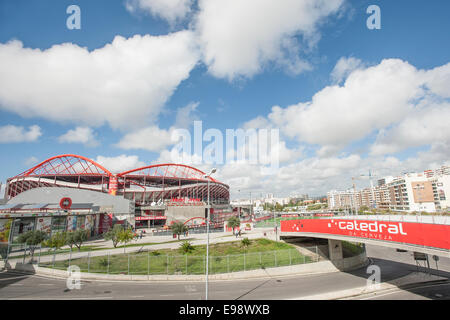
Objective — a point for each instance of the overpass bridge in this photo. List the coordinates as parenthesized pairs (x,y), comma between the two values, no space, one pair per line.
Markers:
(425,234)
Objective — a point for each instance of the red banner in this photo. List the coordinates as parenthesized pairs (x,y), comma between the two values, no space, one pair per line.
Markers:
(143,218)
(423,234)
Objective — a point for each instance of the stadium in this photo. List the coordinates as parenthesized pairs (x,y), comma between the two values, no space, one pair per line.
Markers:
(70,192)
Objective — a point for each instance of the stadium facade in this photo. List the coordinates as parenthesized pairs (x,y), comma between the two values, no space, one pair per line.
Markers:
(69,192)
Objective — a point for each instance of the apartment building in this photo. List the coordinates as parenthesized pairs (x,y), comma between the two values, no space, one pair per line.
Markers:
(341,199)
(428,191)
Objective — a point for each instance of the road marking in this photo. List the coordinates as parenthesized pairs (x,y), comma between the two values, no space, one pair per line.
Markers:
(91,298)
(16,284)
(397,290)
(166,295)
(137,297)
(46,284)
(6,279)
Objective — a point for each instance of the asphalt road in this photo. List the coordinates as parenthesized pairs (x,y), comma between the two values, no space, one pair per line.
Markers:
(392,264)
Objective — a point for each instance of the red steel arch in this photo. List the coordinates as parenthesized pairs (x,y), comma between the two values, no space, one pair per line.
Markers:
(202,218)
(168,170)
(66,164)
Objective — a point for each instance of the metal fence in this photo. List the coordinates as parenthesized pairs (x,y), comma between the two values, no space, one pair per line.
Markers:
(191,231)
(154,263)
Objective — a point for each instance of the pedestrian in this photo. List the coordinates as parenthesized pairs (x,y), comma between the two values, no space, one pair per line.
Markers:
(239,233)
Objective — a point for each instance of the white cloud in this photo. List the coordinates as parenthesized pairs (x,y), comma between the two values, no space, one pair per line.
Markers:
(151,139)
(125,83)
(84,135)
(2,189)
(31,161)
(257,123)
(311,175)
(156,139)
(240,37)
(438,80)
(120,163)
(14,134)
(370,99)
(170,10)
(344,67)
(186,116)
(427,126)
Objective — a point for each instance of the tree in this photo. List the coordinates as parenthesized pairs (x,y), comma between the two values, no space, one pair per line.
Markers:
(56,241)
(278,207)
(245,242)
(32,238)
(233,223)
(70,239)
(186,247)
(125,236)
(178,228)
(77,238)
(4,235)
(363,209)
(114,234)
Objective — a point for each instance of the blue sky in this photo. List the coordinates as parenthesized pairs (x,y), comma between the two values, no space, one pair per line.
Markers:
(207,73)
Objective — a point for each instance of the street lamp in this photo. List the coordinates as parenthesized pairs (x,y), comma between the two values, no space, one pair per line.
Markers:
(239,204)
(207,234)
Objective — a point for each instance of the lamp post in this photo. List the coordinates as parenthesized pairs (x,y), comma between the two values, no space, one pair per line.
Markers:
(207,234)
(239,204)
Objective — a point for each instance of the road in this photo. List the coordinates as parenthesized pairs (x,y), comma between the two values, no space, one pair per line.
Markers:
(392,264)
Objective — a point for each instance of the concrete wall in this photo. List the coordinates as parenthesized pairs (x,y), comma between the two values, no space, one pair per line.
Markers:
(335,247)
(184,213)
(120,206)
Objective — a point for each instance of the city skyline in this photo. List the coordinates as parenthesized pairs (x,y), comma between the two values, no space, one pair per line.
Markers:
(346,99)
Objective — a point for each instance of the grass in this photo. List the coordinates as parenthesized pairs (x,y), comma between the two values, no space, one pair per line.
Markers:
(270,222)
(224,257)
(351,249)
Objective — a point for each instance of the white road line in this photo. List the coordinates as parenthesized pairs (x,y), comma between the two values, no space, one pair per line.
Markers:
(91,298)
(137,297)
(166,295)
(46,284)
(59,298)
(6,279)
(400,290)
(16,284)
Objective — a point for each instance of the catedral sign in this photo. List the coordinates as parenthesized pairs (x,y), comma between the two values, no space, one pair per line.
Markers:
(423,234)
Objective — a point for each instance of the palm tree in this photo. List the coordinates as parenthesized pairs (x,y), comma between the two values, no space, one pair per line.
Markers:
(178,228)
(234,222)
(245,242)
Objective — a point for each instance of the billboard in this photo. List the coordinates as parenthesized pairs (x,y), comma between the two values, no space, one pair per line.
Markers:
(423,234)
(44,224)
(5,228)
(71,223)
